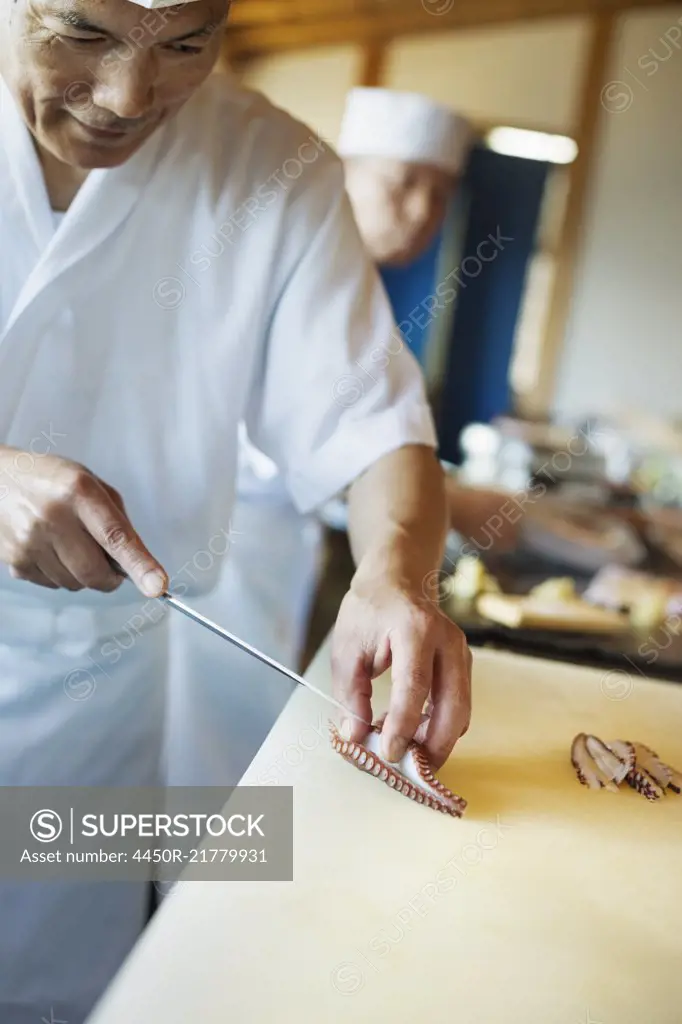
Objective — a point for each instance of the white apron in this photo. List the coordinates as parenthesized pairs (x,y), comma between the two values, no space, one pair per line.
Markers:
(222,702)
(216,277)
(68,717)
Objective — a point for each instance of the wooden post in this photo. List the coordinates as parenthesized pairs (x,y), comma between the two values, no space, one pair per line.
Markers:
(572,229)
(373,63)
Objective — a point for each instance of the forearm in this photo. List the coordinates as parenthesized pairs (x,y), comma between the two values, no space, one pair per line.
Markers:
(398,517)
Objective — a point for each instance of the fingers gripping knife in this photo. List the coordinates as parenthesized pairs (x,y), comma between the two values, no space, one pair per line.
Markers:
(195,616)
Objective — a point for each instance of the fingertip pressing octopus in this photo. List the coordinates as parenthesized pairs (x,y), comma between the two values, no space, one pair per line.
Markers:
(600,765)
(413,775)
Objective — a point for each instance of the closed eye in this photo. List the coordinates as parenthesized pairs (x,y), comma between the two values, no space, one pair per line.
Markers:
(184,48)
(85,40)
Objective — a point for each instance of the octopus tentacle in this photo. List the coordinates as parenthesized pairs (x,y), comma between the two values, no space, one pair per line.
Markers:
(412,776)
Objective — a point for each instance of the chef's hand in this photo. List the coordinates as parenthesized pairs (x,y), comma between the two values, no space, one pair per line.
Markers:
(58,521)
(384,623)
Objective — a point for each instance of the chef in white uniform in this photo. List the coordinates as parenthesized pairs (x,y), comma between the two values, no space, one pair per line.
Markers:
(403,155)
(207,271)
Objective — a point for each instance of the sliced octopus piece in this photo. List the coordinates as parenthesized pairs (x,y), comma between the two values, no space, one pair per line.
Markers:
(665,776)
(612,767)
(412,776)
(625,752)
(588,771)
(675,781)
(640,780)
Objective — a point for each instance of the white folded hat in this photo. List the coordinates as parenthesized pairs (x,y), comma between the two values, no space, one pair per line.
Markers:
(153,4)
(404,126)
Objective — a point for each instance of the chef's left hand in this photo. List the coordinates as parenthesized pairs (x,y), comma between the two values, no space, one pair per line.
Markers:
(386,623)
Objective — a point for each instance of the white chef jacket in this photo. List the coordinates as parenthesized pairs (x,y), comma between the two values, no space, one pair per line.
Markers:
(216,276)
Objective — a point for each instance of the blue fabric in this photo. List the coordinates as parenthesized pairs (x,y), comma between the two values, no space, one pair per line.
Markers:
(407,287)
(505,201)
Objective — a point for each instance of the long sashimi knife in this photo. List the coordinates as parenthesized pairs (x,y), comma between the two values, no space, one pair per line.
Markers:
(180,606)
(195,616)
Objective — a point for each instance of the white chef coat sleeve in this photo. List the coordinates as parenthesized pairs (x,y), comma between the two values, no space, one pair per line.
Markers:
(339,387)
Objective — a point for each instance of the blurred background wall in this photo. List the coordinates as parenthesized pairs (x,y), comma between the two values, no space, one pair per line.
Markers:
(623,344)
(527,73)
(312,84)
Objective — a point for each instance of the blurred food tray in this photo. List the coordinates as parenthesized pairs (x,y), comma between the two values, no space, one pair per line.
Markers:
(654,654)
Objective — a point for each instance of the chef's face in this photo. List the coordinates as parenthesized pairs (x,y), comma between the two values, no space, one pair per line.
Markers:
(398,206)
(95,78)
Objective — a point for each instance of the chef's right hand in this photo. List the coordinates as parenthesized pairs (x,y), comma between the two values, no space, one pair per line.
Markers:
(59,521)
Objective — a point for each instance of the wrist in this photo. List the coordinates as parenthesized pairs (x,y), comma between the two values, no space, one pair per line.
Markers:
(398,560)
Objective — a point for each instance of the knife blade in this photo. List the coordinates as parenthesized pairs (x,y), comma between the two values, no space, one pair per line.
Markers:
(220,631)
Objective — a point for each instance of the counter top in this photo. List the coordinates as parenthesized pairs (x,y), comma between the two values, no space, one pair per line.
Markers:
(547,902)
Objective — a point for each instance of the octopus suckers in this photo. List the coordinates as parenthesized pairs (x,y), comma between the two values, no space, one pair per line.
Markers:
(401,776)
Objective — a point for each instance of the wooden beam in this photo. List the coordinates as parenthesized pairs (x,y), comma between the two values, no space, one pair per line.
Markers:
(573,224)
(269,13)
(373,63)
(409,17)
(258,12)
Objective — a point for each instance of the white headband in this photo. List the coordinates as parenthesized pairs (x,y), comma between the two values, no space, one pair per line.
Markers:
(153,4)
(404,126)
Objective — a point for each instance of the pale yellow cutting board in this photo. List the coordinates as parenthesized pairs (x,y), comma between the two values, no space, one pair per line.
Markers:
(546,904)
